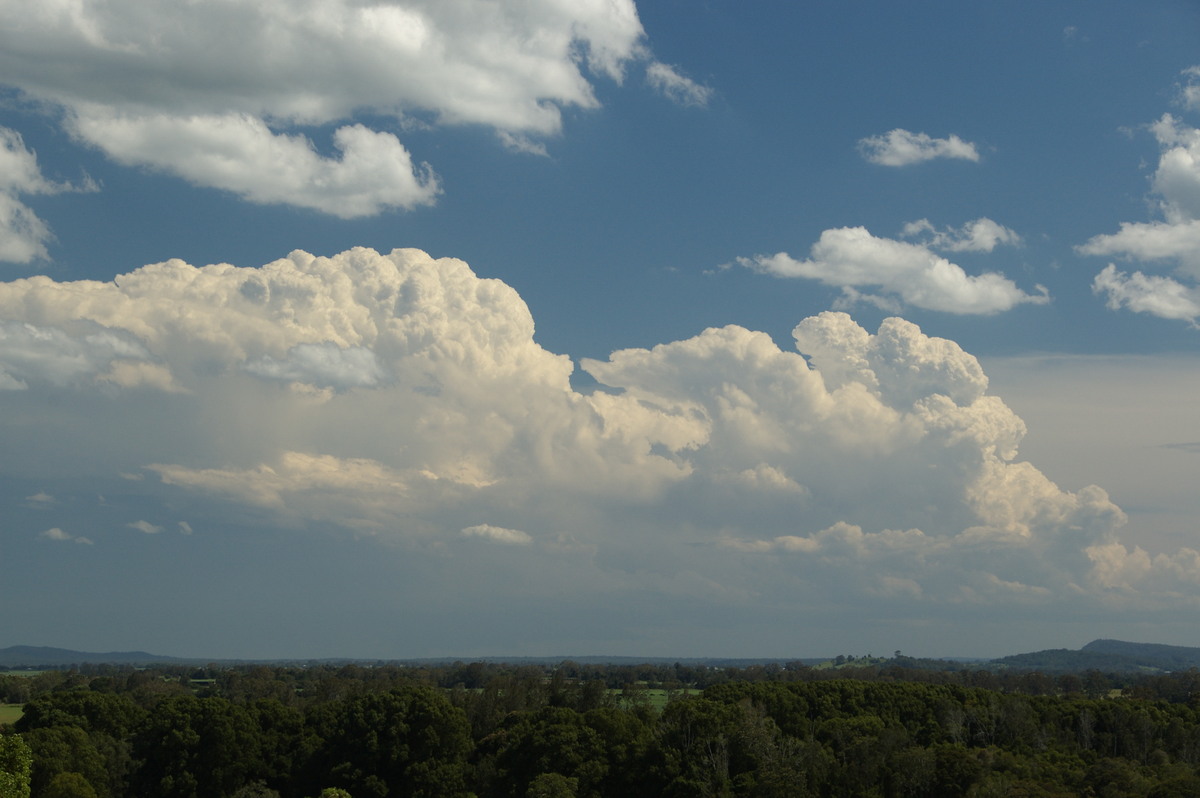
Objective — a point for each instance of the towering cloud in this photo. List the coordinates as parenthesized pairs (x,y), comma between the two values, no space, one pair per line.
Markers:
(403,397)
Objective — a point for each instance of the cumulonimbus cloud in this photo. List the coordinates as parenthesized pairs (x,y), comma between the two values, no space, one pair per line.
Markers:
(403,397)
(227,95)
(851,258)
(901,147)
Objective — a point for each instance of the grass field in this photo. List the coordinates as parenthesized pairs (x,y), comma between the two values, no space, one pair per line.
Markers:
(9,713)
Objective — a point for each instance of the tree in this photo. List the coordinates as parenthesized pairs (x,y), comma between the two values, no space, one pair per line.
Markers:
(16,766)
(69,785)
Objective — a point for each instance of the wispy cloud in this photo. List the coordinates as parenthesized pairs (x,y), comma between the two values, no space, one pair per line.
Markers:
(498,534)
(901,147)
(677,87)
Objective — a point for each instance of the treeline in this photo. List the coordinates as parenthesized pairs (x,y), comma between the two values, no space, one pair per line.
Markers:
(490,730)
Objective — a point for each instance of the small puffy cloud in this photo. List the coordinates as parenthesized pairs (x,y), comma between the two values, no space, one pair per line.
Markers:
(900,147)
(55,533)
(1151,241)
(981,235)
(1142,293)
(851,258)
(145,527)
(677,87)
(40,499)
(498,534)
(1175,238)
(260,99)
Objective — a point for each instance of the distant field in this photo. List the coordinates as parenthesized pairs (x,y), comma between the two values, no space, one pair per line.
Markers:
(10,713)
(19,673)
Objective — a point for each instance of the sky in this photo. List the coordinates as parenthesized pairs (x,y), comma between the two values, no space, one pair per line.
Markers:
(339,328)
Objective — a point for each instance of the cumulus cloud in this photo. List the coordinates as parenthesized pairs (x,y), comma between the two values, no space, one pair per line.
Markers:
(55,533)
(1174,239)
(677,87)
(1142,293)
(850,258)
(901,147)
(227,95)
(23,234)
(404,398)
(980,235)
(498,534)
(32,353)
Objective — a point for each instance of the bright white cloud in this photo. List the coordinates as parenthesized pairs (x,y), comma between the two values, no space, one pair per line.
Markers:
(901,147)
(225,94)
(498,534)
(981,235)
(679,88)
(402,397)
(240,153)
(1176,238)
(1153,294)
(850,258)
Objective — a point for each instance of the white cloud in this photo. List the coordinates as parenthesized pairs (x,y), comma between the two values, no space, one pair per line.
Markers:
(850,258)
(498,534)
(679,88)
(23,235)
(31,353)
(1150,241)
(1176,238)
(55,533)
(402,397)
(1153,294)
(145,527)
(322,364)
(226,94)
(901,147)
(1189,93)
(981,235)
(240,153)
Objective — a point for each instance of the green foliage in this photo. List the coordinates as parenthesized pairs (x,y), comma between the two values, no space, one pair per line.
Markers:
(16,766)
(520,731)
(69,785)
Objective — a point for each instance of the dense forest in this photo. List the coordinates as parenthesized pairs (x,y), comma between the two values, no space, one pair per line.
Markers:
(879,729)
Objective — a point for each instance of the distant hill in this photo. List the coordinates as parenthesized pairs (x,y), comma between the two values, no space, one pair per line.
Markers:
(1108,656)
(35,656)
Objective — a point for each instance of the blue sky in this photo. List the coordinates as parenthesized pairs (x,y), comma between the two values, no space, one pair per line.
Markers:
(716,328)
